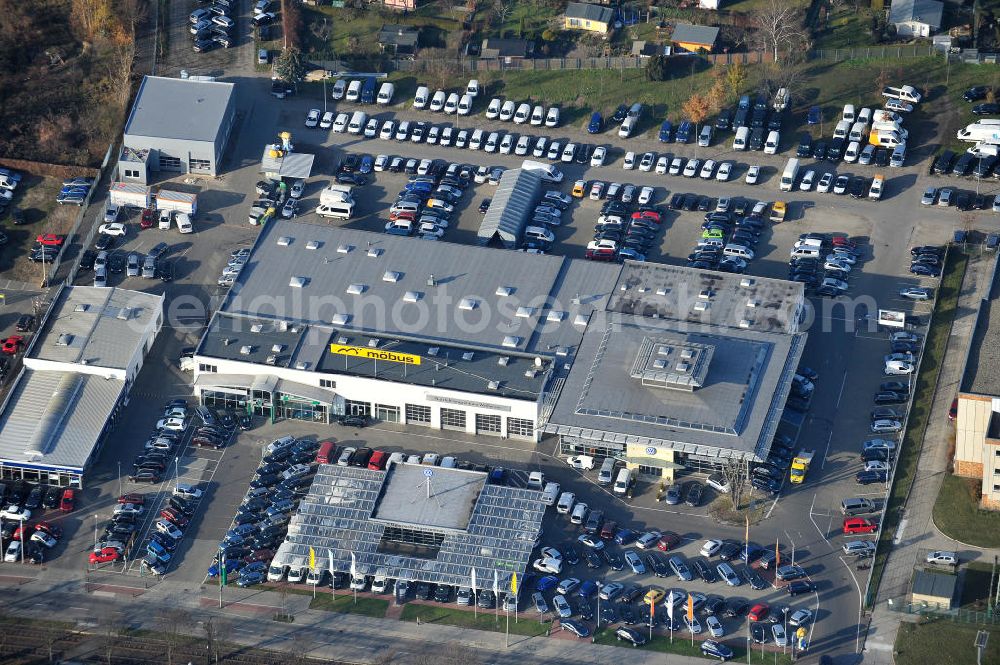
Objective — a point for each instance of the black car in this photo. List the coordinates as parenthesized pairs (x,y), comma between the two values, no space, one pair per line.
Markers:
(836,150)
(594,521)
(658,565)
(609,614)
(26,323)
(34,500)
(485,205)
(819,150)
(754,579)
(882,157)
(620,113)
(760,632)
(859,187)
(889,397)
(354,421)
(693,493)
(800,586)
(52,497)
(627,614)
(963,165)
(805,148)
(350,179)
(584,152)
(246,422)
(766,484)
(989,108)
(593,559)
(943,162)
(976,93)
(165,270)
(869,477)
(614,559)
(87,259)
(736,607)
(705,571)
(442,593)
(963,200)
(729,551)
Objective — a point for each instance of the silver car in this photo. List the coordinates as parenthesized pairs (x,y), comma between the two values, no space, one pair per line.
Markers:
(133,265)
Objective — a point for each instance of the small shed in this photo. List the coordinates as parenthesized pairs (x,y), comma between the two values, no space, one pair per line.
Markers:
(934,589)
(916,18)
(399,40)
(494,49)
(695,38)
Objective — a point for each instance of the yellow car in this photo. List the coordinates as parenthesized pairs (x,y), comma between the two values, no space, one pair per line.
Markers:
(778,211)
(578,188)
(653,596)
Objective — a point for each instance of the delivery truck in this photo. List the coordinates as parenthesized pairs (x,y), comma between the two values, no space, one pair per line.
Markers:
(789,175)
(982,131)
(130,194)
(800,465)
(167,199)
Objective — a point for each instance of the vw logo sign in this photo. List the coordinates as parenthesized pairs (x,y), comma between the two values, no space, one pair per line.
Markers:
(428,472)
(651,450)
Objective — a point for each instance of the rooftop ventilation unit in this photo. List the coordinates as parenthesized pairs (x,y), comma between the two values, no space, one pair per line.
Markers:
(277,348)
(511,341)
(82,307)
(555,316)
(356,289)
(661,291)
(745,323)
(503,361)
(752,302)
(687,354)
(391,276)
(246,350)
(562,351)
(431,281)
(302,364)
(524,312)
(314,244)
(705,294)
(284,241)
(125,313)
(468,355)
(504,291)
(343,339)
(412,296)
(623,287)
(643,289)
(65,339)
(683,368)
(341,319)
(257,327)
(493,385)
(531,372)
(580,320)
(373,342)
(296,282)
(700,306)
(468,304)
(433,351)
(344,249)
(272,359)
(659,363)
(375,252)
(662,350)
(746,282)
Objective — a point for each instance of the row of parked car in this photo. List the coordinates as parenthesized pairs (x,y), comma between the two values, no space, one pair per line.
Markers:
(426,203)
(621,233)
(823,262)
(22,539)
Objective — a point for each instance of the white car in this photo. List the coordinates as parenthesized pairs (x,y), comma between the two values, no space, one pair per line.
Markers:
(691,168)
(662,164)
(114,229)
(876,465)
(807,181)
(552,566)
(168,529)
(725,170)
(522,147)
(327,121)
(388,129)
(340,124)
(13,552)
(801,617)
(44,539)
(555,149)
(825,182)
(780,637)
(491,142)
(710,547)
(647,161)
(312,118)
(298,187)
(507,144)
(708,169)
(676,165)
(171,424)
(629,162)
(380,162)
(597,159)
(568,152)
(541,145)
(753,173)
(371,128)
(128,509)
(898,105)
(187,491)
(15,513)
(645,195)
(428,229)
(898,368)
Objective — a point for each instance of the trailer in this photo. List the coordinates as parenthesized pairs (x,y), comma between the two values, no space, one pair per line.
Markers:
(178,201)
(130,194)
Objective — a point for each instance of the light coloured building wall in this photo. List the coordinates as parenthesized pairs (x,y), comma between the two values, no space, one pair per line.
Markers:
(971,424)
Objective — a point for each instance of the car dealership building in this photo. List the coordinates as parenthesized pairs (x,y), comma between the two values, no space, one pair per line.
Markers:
(666,367)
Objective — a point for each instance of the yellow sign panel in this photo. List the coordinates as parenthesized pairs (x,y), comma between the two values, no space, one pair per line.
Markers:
(375,354)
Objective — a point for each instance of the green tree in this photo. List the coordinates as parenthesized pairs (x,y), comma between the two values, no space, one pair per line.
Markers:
(736,78)
(657,68)
(289,66)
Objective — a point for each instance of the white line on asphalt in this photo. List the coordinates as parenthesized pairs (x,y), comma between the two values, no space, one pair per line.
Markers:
(840,395)
(773,504)
(826,453)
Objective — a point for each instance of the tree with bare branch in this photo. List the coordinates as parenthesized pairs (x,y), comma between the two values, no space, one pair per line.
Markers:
(502,10)
(175,622)
(779,27)
(736,471)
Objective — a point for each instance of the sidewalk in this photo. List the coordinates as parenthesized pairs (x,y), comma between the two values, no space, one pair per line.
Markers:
(916,532)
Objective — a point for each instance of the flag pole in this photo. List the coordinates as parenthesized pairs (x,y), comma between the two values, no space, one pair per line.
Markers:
(222,574)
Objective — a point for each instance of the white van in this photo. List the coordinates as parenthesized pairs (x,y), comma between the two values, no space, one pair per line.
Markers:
(552,117)
(339,87)
(705,137)
(523,114)
(538,116)
(789,175)
(493,110)
(357,124)
(536,480)
(550,494)
(852,152)
(626,129)
(472,89)
(420,99)
(738,251)
(771,145)
(539,234)
(451,106)
(385,94)
(546,171)
(848,114)
(476,140)
(465,105)
(804,253)
(353,91)
(183,222)
(623,481)
(842,130)
(438,100)
(740,142)
(858,131)
(604,476)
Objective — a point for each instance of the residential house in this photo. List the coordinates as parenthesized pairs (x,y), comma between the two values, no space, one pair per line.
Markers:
(407,5)
(398,40)
(694,38)
(708,4)
(916,18)
(588,17)
(507,49)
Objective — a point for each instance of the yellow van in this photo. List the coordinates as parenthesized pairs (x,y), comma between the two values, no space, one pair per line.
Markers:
(778,212)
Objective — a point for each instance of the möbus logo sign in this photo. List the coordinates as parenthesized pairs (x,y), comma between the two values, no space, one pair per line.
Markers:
(374,354)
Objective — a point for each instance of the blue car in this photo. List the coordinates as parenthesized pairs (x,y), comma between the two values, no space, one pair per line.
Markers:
(250,579)
(587,589)
(666,129)
(231,566)
(546,583)
(814,115)
(869,477)
(366,164)
(497,475)
(596,123)
(625,536)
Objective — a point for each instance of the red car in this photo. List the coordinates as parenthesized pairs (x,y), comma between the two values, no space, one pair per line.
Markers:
(953,411)
(174,516)
(50,529)
(68,501)
(259,555)
(600,255)
(104,555)
(647,214)
(20,531)
(854,525)
(148,218)
(137,499)
(50,239)
(841,241)
(668,540)
(12,345)
(759,612)
(402,214)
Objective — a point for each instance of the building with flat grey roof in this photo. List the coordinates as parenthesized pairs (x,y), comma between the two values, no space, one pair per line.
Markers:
(179,125)
(494,342)
(414,522)
(78,369)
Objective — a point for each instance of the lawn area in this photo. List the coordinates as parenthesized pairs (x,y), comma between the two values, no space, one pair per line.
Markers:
(344,603)
(332,32)
(847,27)
(925,643)
(528,20)
(923,396)
(487,619)
(682,647)
(977,586)
(957,514)
(747,6)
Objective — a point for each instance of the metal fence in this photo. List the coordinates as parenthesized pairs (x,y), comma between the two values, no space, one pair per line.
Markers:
(84,209)
(936,611)
(873,53)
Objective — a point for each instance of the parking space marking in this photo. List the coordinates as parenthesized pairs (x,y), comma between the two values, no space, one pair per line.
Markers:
(840,396)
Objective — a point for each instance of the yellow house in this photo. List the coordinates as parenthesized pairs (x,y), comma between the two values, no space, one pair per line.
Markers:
(585,16)
(694,38)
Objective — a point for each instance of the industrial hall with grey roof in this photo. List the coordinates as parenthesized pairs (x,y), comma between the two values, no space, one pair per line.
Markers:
(667,367)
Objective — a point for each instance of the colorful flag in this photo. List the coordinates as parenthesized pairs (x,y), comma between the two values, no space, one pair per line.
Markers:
(496,585)
(777,556)
(473,580)
(354,566)
(331,562)
(222,568)
(312,559)
(513,584)
(670,610)
(690,608)
(746,539)
(652,610)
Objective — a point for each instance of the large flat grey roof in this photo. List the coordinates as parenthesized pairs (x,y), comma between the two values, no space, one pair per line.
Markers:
(175,108)
(430,496)
(982,364)
(335,518)
(98,326)
(53,419)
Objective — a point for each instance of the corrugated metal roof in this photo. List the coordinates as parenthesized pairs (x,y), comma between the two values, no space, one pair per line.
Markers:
(289,165)
(695,34)
(55,418)
(517,195)
(174,108)
(589,12)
